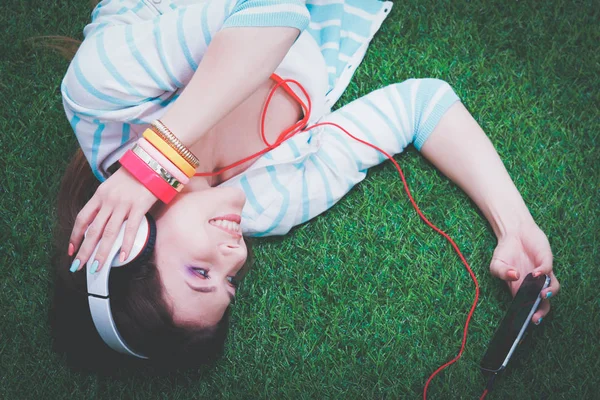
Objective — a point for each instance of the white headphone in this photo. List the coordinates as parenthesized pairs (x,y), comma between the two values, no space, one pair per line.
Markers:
(97,283)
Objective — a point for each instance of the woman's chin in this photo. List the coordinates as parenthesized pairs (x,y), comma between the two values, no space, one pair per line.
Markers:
(230,199)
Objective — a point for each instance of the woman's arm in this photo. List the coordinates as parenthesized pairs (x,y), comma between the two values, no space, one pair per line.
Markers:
(460,149)
(237,61)
(134,64)
(427,113)
(124,72)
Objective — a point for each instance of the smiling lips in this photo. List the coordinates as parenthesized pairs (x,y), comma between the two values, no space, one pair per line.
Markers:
(228,223)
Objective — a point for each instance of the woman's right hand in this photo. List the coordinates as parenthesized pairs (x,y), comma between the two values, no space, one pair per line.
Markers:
(121,197)
(522,251)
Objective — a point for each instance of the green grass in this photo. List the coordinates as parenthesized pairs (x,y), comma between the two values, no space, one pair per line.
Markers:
(364,301)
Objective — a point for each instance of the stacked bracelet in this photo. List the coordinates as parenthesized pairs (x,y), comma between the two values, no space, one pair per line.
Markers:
(148,177)
(171,140)
(160,162)
(156,141)
(157,168)
(163,161)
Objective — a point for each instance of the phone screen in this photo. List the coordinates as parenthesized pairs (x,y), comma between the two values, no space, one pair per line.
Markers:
(516,318)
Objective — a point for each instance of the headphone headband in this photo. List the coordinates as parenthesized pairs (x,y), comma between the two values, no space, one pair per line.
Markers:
(97,283)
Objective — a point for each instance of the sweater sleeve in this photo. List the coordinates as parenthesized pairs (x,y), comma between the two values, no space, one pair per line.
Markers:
(134,61)
(288,13)
(313,170)
(390,118)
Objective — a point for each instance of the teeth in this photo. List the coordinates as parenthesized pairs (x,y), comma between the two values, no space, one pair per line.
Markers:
(232,226)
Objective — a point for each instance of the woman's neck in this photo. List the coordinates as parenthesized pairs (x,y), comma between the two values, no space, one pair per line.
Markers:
(219,148)
(237,135)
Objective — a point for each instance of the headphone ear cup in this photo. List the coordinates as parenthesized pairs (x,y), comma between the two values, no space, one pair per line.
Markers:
(148,249)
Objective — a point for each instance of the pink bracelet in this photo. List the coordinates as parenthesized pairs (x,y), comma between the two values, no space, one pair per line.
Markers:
(163,161)
(143,173)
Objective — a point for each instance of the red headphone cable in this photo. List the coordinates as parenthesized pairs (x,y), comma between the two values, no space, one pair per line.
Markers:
(297,128)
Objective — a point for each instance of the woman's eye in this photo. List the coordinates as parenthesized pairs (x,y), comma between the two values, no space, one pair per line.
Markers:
(232,281)
(201,272)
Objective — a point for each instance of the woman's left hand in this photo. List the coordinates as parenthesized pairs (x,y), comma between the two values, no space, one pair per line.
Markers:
(118,199)
(523,251)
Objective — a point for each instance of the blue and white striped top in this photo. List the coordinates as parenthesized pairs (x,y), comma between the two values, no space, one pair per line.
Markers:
(110,106)
(127,70)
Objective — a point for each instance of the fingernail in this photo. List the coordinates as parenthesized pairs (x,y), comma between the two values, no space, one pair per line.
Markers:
(539,321)
(548,295)
(75,265)
(71,249)
(536,274)
(94,267)
(122,257)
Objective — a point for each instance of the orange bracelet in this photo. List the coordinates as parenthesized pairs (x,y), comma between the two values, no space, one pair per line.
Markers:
(169,152)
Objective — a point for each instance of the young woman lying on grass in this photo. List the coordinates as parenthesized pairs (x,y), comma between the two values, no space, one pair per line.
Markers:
(205,70)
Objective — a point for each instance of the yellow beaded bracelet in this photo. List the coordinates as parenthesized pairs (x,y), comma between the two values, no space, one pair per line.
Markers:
(168,136)
(169,152)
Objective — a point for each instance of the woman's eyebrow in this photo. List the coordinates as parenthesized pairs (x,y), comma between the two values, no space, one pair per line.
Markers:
(210,289)
(205,289)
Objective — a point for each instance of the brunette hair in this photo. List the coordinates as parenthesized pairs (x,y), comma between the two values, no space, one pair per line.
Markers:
(141,314)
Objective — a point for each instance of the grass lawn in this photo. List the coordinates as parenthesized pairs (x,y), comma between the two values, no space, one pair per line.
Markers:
(364,301)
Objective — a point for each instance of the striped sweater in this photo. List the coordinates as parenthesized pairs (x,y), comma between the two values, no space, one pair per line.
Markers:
(109,107)
(303,177)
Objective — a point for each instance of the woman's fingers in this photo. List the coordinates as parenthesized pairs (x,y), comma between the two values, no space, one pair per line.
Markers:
(503,270)
(94,232)
(83,220)
(552,289)
(121,194)
(111,231)
(131,228)
(542,254)
(544,264)
(541,312)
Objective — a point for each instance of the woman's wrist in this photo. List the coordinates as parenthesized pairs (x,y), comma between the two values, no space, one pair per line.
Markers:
(507,216)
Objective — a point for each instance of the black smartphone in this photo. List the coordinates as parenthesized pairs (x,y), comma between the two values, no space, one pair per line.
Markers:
(514,323)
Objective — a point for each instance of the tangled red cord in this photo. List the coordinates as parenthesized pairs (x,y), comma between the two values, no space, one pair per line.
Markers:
(301,126)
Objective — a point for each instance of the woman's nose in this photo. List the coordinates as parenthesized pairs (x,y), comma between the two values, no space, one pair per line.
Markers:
(234,250)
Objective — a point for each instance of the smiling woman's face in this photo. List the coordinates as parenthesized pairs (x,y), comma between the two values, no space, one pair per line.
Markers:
(199,250)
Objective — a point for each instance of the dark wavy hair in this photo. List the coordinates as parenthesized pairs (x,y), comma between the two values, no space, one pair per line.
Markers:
(142,315)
